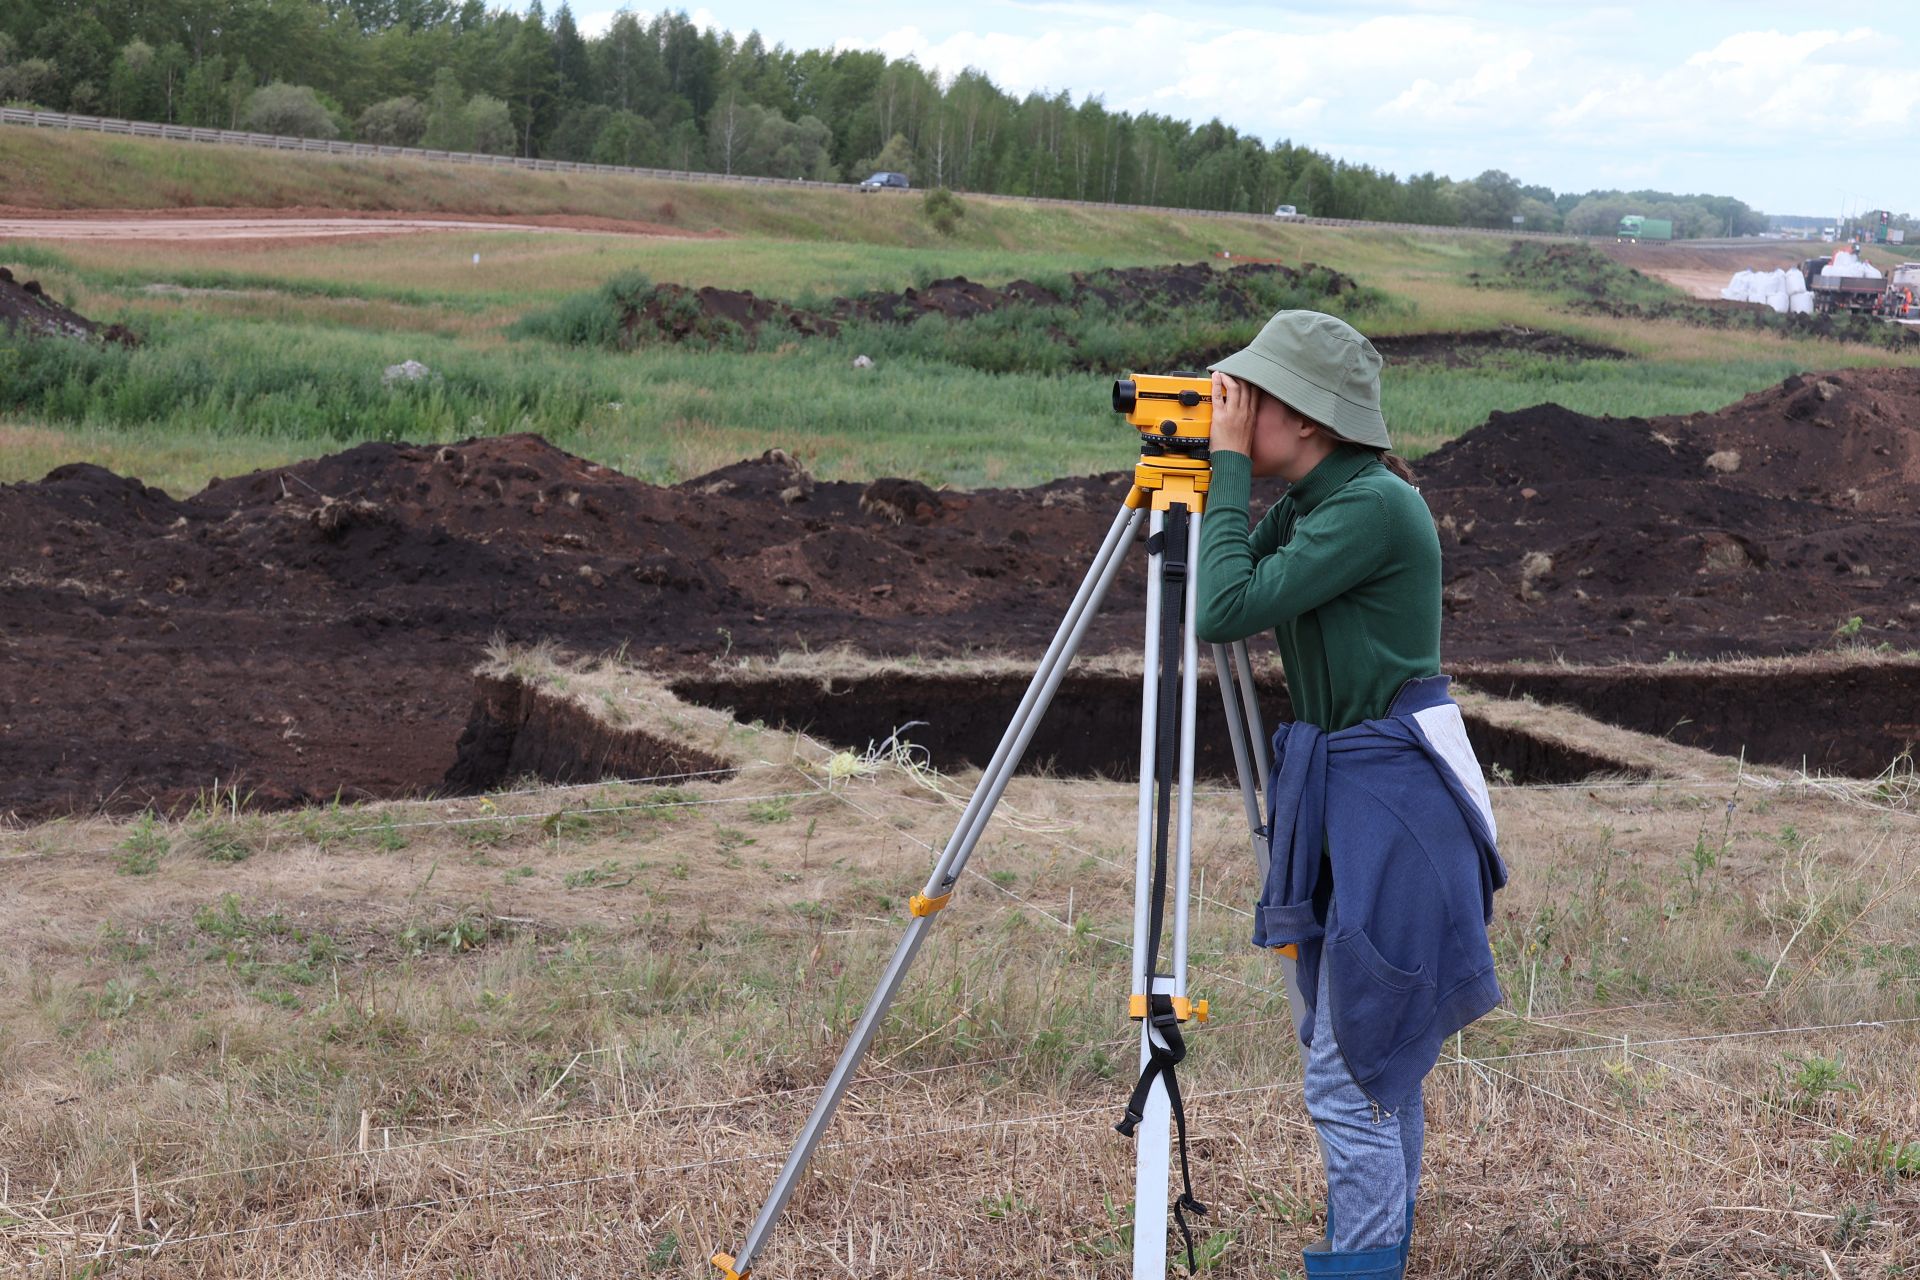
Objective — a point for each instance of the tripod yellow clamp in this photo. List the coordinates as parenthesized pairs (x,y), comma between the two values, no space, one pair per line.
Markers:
(1183,1009)
(724,1261)
(921,905)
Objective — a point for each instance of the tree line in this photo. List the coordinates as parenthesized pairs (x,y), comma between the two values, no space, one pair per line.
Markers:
(660,92)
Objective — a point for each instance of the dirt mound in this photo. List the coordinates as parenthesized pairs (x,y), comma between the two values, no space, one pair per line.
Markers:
(1459,350)
(1752,530)
(1548,444)
(26,308)
(1569,267)
(311,629)
(1847,439)
(675,313)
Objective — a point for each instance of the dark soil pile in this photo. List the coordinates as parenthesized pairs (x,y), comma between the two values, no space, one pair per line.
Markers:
(675,313)
(1761,529)
(1568,267)
(312,628)
(1459,350)
(25,308)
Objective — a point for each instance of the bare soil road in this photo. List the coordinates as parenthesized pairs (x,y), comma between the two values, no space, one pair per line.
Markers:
(1702,268)
(199,224)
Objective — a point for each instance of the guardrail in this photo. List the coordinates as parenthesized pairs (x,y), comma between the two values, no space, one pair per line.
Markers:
(328,146)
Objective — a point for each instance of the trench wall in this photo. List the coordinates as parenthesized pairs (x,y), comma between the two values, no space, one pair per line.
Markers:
(1839,718)
(1092,728)
(516,730)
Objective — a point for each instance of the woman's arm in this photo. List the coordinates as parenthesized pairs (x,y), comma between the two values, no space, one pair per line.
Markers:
(1244,591)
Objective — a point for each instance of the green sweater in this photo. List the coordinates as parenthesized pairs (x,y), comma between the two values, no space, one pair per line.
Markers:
(1345,568)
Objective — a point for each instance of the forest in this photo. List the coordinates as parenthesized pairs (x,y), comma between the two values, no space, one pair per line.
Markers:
(659,91)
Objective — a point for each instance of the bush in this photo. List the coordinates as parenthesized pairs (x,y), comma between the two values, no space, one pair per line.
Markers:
(597,319)
(627,139)
(491,125)
(944,210)
(293,110)
(397,122)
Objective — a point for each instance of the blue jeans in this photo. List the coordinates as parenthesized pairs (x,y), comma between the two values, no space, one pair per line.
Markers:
(1372,1155)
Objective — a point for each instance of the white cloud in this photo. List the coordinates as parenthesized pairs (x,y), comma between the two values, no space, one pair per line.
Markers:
(1570,96)
(1746,112)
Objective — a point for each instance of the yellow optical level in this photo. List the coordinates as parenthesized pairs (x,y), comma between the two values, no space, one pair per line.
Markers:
(1173,411)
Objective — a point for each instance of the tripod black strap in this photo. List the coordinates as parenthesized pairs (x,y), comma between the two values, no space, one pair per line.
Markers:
(1167,1050)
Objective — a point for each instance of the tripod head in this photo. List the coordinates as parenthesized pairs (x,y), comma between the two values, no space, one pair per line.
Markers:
(1174,414)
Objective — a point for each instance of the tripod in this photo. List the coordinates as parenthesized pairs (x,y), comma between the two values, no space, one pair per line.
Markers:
(1167,498)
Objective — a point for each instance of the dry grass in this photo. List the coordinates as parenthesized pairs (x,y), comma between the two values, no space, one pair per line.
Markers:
(565,1032)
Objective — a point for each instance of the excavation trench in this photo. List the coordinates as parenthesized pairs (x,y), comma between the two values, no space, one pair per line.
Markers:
(1091,729)
(1839,716)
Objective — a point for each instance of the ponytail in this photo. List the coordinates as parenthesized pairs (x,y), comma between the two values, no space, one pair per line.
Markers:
(1391,461)
(1395,463)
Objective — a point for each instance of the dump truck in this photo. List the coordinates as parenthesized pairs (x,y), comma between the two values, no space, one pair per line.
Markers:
(1634,228)
(1896,297)
(1841,293)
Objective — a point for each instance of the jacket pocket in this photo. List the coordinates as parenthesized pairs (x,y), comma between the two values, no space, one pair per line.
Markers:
(1377,1006)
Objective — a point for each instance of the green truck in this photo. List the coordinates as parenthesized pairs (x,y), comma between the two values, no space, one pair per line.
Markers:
(1634,228)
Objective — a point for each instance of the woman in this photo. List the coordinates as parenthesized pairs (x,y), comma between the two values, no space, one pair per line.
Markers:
(1384,865)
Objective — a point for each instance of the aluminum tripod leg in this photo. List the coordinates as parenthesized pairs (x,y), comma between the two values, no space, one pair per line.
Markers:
(1249,744)
(993,783)
(1249,736)
(1153,1137)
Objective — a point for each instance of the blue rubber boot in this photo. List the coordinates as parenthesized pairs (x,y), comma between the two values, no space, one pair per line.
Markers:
(1362,1264)
(1406,1241)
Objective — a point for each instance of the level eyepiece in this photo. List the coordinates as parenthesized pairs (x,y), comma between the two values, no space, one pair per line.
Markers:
(1125,395)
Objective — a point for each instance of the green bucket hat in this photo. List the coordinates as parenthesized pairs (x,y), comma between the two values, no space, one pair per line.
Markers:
(1322,367)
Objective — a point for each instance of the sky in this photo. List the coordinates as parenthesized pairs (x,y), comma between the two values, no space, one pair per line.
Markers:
(1794,108)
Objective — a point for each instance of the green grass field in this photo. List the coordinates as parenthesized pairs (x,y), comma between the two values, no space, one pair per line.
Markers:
(259,352)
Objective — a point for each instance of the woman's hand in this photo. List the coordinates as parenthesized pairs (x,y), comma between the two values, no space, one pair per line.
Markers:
(1233,405)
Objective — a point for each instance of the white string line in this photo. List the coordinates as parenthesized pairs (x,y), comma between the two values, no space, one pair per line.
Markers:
(425,801)
(1620,1043)
(1274,991)
(1755,1098)
(641,1113)
(1627,1047)
(867,1140)
(1616,1122)
(627,1114)
(1572,1049)
(1073,1113)
(1609,1044)
(541,814)
(818,789)
(1032,906)
(1827,984)
(1455,1061)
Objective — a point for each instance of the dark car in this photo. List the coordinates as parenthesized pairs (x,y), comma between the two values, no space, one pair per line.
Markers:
(883,181)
